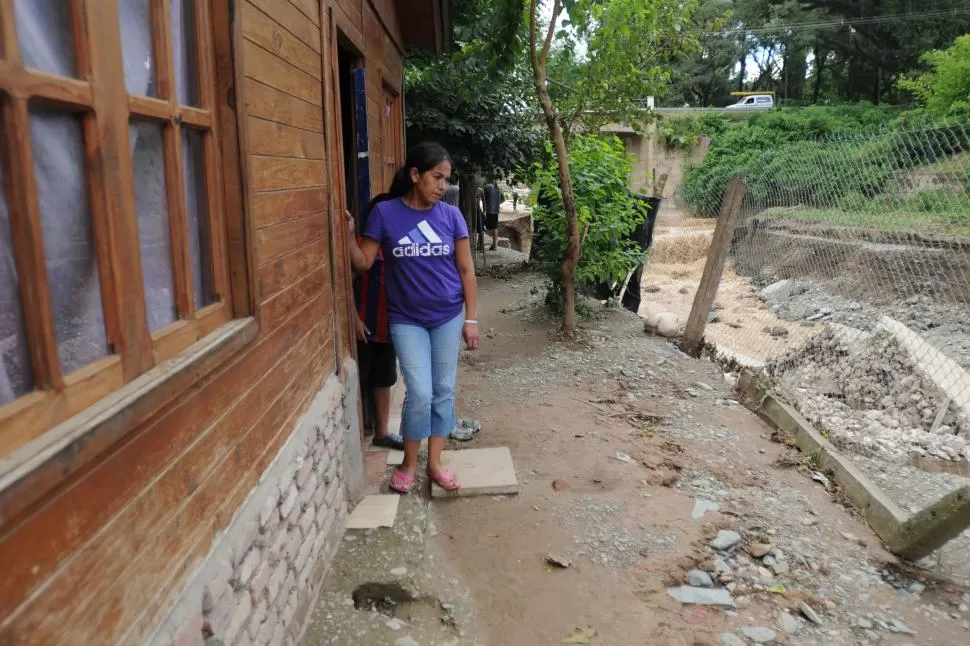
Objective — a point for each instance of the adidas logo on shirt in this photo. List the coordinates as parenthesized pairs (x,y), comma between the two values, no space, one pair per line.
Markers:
(422,241)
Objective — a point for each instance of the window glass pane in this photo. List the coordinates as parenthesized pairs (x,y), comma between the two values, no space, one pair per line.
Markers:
(136,45)
(72,268)
(154,230)
(16,375)
(183,47)
(197,212)
(46,33)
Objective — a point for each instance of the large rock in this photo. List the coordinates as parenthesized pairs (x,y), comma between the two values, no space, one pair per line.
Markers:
(760,635)
(699,579)
(782,291)
(665,324)
(691,596)
(725,540)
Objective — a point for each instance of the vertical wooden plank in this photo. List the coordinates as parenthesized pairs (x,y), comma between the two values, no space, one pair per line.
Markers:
(28,245)
(110,155)
(229,112)
(203,54)
(101,230)
(162,48)
(81,44)
(713,269)
(178,221)
(213,169)
(174,179)
(11,51)
(94,178)
(335,194)
(343,289)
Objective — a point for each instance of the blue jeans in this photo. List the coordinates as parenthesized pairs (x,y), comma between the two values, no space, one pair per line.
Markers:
(429,365)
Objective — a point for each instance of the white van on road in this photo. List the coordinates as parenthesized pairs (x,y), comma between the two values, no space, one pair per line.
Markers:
(754,102)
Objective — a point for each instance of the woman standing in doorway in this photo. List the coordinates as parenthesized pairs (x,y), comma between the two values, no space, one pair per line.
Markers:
(432,301)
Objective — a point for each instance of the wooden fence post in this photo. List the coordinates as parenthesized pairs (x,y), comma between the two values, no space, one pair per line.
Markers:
(693,340)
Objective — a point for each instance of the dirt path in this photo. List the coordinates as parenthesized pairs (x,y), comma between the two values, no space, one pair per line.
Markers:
(628,535)
(615,439)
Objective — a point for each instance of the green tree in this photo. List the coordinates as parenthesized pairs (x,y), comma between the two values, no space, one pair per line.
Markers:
(704,78)
(476,101)
(606,210)
(629,46)
(883,39)
(945,88)
(822,50)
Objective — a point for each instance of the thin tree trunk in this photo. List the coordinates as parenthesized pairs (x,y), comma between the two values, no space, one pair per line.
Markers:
(744,65)
(820,56)
(573,244)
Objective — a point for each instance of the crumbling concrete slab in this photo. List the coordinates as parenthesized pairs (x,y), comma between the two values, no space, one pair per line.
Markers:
(853,338)
(373,512)
(946,373)
(881,513)
(934,526)
(482,472)
(910,538)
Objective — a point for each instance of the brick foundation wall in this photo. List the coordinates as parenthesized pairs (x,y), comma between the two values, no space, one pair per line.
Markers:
(258,583)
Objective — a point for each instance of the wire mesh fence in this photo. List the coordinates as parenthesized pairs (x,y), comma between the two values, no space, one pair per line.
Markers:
(848,282)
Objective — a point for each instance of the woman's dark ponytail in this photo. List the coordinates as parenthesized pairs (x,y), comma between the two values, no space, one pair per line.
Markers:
(422,157)
(402,182)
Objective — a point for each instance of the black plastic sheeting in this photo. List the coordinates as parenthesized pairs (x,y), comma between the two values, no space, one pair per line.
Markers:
(643,237)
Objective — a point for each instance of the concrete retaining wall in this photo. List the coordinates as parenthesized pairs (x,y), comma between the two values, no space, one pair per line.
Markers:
(910,538)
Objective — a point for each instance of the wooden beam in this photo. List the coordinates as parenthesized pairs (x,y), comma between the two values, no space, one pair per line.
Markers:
(717,256)
(174,164)
(160,110)
(11,50)
(215,205)
(109,155)
(28,245)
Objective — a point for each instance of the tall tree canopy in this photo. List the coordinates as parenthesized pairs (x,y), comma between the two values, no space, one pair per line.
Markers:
(477,101)
(815,51)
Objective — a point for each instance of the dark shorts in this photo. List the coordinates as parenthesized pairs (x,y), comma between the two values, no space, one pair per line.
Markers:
(491,221)
(378,365)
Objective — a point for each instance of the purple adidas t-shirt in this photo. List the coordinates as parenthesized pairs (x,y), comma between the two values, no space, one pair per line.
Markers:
(422,283)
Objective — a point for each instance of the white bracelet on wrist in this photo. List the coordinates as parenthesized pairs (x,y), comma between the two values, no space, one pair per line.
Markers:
(471,321)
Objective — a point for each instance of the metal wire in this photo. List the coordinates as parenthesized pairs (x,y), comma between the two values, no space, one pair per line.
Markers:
(849,283)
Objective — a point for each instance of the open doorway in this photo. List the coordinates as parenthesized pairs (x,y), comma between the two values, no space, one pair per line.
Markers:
(352,101)
(348,62)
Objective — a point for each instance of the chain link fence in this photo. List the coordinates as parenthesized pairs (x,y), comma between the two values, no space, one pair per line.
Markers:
(848,283)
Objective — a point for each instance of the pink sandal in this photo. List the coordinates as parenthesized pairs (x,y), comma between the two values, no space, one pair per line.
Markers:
(402,482)
(446,480)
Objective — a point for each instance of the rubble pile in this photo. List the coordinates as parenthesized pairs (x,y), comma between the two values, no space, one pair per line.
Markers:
(866,393)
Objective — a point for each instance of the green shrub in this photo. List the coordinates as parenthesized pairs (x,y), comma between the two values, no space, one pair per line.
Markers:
(606,209)
(945,89)
(682,132)
(816,156)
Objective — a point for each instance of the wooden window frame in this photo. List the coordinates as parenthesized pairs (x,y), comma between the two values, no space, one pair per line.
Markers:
(74,417)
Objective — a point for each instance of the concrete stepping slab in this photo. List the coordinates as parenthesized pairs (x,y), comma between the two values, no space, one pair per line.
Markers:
(396,458)
(482,472)
(373,512)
